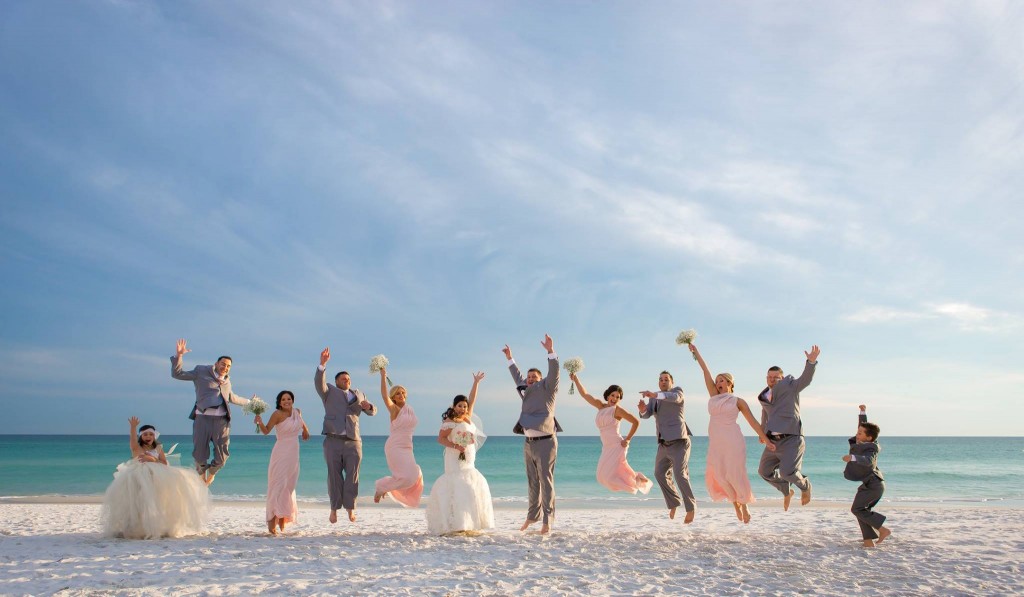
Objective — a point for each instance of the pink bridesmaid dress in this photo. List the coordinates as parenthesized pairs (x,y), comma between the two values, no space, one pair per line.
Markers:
(405,484)
(726,475)
(612,469)
(283,471)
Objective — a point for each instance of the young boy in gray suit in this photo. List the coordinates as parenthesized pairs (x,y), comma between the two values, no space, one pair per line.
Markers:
(862,465)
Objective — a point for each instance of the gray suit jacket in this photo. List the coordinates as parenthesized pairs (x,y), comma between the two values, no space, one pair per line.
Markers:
(867,458)
(538,399)
(782,414)
(340,417)
(668,415)
(209,391)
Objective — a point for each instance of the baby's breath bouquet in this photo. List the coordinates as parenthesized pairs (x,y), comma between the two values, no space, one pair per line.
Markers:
(573,365)
(687,337)
(255,407)
(378,363)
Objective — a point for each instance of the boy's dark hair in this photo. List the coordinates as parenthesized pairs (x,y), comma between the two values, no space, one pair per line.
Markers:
(532,369)
(871,430)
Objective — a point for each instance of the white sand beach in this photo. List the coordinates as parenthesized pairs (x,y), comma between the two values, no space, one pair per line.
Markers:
(55,548)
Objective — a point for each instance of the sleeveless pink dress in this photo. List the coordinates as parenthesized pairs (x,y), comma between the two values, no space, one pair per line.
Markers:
(283,470)
(726,475)
(612,469)
(405,484)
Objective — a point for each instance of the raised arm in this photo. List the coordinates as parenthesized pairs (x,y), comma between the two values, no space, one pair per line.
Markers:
(621,413)
(708,380)
(319,380)
(477,377)
(133,437)
(551,381)
(741,404)
(178,359)
(517,375)
(812,360)
(583,391)
(863,416)
(392,407)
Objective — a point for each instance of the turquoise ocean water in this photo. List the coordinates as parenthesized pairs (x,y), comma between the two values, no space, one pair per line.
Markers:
(964,470)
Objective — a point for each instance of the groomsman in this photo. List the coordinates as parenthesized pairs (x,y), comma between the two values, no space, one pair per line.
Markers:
(673,457)
(862,466)
(780,419)
(211,413)
(537,422)
(343,447)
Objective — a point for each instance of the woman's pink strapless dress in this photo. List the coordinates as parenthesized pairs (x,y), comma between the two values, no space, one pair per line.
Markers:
(612,469)
(405,484)
(726,475)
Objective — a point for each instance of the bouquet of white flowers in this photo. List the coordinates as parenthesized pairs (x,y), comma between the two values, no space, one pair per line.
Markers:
(256,406)
(687,337)
(462,439)
(378,363)
(573,365)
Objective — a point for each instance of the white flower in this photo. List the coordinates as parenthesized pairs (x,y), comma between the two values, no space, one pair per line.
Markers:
(686,337)
(256,406)
(573,365)
(377,363)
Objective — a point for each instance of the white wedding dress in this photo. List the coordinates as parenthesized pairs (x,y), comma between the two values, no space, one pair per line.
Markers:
(460,499)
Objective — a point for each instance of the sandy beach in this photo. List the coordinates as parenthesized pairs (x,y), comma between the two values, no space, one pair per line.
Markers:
(55,548)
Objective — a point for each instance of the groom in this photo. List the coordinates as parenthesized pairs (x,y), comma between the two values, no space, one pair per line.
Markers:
(343,447)
(780,419)
(537,422)
(211,414)
(673,457)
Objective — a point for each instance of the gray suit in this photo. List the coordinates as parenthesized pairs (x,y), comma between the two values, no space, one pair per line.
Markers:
(539,453)
(673,455)
(343,446)
(207,429)
(865,469)
(780,419)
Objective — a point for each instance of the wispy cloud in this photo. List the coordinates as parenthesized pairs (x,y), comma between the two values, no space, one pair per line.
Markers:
(964,316)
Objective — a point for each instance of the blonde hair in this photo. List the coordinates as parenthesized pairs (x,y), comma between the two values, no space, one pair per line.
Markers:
(394,390)
(728,377)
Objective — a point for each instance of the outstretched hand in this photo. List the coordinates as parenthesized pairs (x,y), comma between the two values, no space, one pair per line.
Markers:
(479,375)
(182,347)
(812,356)
(508,352)
(863,407)
(325,355)
(134,422)
(548,344)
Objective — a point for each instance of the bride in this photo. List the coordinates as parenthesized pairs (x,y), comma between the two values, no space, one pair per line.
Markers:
(460,499)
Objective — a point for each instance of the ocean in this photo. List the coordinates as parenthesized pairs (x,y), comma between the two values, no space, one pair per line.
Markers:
(935,470)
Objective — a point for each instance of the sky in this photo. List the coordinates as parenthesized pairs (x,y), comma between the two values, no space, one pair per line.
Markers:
(433,180)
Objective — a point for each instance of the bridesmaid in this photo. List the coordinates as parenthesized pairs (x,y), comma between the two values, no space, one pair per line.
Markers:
(283,470)
(405,484)
(612,469)
(726,475)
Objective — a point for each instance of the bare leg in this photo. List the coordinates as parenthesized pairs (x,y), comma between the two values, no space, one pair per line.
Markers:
(527,524)
(672,513)
(787,499)
(739,510)
(689,516)
(746,514)
(271,526)
(280,523)
(883,533)
(351,515)
(378,496)
(333,517)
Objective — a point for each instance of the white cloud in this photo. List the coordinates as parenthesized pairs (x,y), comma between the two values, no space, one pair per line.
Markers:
(965,316)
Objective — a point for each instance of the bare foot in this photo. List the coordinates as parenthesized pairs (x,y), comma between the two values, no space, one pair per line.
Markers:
(739,510)
(883,533)
(351,515)
(746,514)
(787,499)
(689,516)
(271,527)
(280,524)
(527,524)
(869,543)
(805,495)
(209,479)
(672,513)
(333,517)
(545,529)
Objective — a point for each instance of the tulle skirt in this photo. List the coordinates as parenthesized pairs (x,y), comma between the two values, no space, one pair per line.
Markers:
(148,500)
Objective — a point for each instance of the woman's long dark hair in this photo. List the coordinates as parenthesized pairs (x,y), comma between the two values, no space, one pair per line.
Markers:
(282,393)
(450,413)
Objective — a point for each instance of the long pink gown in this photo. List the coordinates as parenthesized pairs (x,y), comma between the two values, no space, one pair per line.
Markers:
(405,484)
(726,475)
(283,470)
(612,469)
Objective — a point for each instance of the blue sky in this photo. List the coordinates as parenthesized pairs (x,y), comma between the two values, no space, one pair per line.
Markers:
(431,180)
